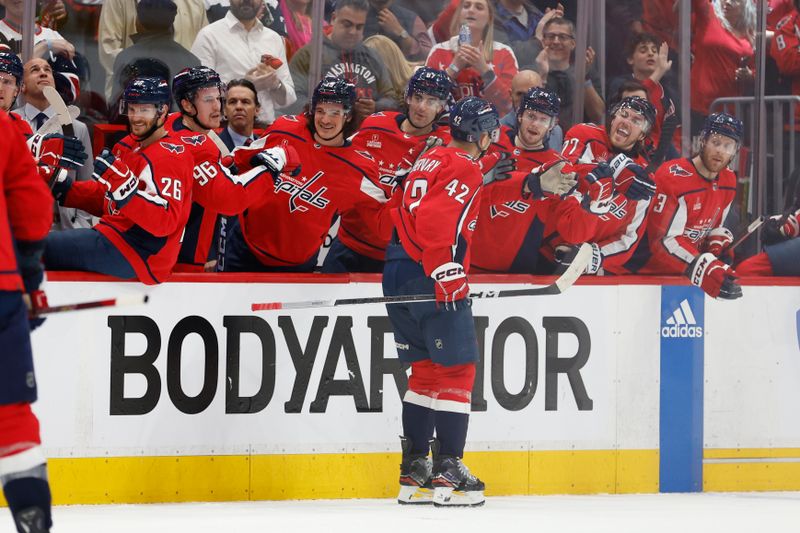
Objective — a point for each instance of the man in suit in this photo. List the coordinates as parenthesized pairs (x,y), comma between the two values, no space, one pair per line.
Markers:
(241,108)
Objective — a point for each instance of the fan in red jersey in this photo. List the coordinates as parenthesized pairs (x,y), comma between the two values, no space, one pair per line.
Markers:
(685,232)
(143,198)
(394,140)
(611,163)
(284,228)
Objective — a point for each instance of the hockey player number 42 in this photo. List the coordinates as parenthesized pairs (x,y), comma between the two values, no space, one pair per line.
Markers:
(457,190)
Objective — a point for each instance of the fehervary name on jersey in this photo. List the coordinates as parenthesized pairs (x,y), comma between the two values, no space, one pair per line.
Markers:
(426,165)
(543,353)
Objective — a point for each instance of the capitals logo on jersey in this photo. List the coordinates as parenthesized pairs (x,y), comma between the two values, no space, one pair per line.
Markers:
(518,206)
(677,170)
(174,148)
(194,140)
(300,192)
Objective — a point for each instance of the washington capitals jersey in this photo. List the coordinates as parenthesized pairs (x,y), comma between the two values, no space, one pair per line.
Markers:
(287,225)
(217,191)
(685,209)
(148,229)
(393,149)
(619,231)
(439,209)
(23,127)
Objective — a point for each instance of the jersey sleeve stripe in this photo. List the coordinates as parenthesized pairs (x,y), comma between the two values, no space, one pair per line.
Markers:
(675,230)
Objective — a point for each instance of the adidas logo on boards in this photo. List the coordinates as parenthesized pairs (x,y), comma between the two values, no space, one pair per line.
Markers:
(682,323)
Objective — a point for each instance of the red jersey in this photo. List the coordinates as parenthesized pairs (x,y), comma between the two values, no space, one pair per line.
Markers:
(26,206)
(381,136)
(22,125)
(619,231)
(148,229)
(785,50)
(216,192)
(439,208)
(468,82)
(685,208)
(287,225)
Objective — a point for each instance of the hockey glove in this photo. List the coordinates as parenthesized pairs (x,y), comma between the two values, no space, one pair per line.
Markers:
(29,261)
(121,184)
(717,279)
(642,187)
(451,287)
(497,166)
(58,180)
(277,160)
(565,254)
(550,179)
(35,301)
(718,242)
(600,190)
(778,228)
(58,151)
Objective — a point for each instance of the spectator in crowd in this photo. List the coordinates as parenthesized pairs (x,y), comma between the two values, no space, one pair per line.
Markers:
(785,50)
(45,40)
(239,46)
(482,67)
(344,54)
(269,13)
(428,10)
(37,73)
(241,107)
(298,24)
(398,67)
(515,24)
(559,40)
(722,41)
(153,39)
(400,25)
(118,25)
(522,82)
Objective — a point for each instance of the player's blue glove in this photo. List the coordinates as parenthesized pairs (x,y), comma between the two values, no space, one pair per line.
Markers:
(642,187)
(600,190)
(121,184)
(497,166)
(451,286)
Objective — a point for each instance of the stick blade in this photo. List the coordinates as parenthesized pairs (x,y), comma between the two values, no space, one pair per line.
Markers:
(574,271)
(267,306)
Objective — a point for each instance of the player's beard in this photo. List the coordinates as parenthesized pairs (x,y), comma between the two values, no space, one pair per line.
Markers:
(151,130)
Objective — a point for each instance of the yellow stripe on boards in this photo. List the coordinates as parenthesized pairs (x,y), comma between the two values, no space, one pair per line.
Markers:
(747,469)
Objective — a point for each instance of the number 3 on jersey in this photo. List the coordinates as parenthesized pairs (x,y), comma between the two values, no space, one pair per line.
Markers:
(457,190)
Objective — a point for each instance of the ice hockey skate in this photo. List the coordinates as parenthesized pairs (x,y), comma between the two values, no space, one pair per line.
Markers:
(415,477)
(453,484)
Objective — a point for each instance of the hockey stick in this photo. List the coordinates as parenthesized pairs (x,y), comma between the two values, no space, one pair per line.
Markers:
(61,109)
(223,150)
(754,225)
(128,299)
(53,124)
(564,282)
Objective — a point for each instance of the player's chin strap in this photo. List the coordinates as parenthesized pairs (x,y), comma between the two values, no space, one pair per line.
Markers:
(151,130)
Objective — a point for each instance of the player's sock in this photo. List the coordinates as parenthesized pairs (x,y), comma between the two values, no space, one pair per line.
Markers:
(28,496)
(418,416)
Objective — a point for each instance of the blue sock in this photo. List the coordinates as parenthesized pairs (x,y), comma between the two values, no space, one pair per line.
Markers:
(31,491)
(417,427)
(451,430)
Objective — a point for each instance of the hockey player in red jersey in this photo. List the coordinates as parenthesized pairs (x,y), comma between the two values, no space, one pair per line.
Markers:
(781,255)
(142,197)
(431,254)
(10,80)
(685,234)
(394,139)
(618,149)
(285,228)
(26,212)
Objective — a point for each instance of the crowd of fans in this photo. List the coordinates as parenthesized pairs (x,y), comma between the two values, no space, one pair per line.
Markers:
(499,50)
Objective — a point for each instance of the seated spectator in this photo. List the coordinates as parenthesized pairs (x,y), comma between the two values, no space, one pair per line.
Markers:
(118,25)
(722,41)
(143,198)
(482,67)
(515,24)
(240,46)
(559,41)
(344,54)
(241,108)
(45,40)
(153,39)
(400,25)
(522,82)
(298,24)
(36,111)
(398,67)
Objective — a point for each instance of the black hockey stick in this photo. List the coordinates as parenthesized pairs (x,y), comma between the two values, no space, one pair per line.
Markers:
(754,225)
(564,282)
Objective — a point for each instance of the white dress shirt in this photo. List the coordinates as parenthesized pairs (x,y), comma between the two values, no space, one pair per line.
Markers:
(231,50)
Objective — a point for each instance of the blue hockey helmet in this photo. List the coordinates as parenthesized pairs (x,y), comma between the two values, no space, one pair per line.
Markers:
(537,99)
(334,90)
(724,124)
(11,64)
(188,81)
(431,81)
(638,104)
(146,91)
(472,116)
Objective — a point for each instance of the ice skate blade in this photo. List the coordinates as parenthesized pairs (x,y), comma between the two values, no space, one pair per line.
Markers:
(449,497)
(414,495)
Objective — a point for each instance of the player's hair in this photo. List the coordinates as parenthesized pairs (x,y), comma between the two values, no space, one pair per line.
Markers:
(358,5)
(247,84)
(638,39)
(488,31)
(400,70)
(629,85)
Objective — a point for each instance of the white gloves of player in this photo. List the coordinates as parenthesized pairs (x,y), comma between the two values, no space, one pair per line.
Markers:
(550,179)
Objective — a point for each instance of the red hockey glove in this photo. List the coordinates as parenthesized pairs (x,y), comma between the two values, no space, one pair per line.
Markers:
(717,279)
(58,151)
(718,242)
(277,159)
(550,178)
(121,184)
(36,301)
(600,190)
(452,289)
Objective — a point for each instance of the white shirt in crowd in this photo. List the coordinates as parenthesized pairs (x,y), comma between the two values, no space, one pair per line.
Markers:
(42,33)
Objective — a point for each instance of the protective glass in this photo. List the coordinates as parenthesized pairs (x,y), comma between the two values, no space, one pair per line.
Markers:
(145,111)
(426,100)
(637,119)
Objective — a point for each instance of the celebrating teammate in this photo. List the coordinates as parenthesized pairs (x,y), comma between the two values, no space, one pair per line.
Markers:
(434,226)
(685,231)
